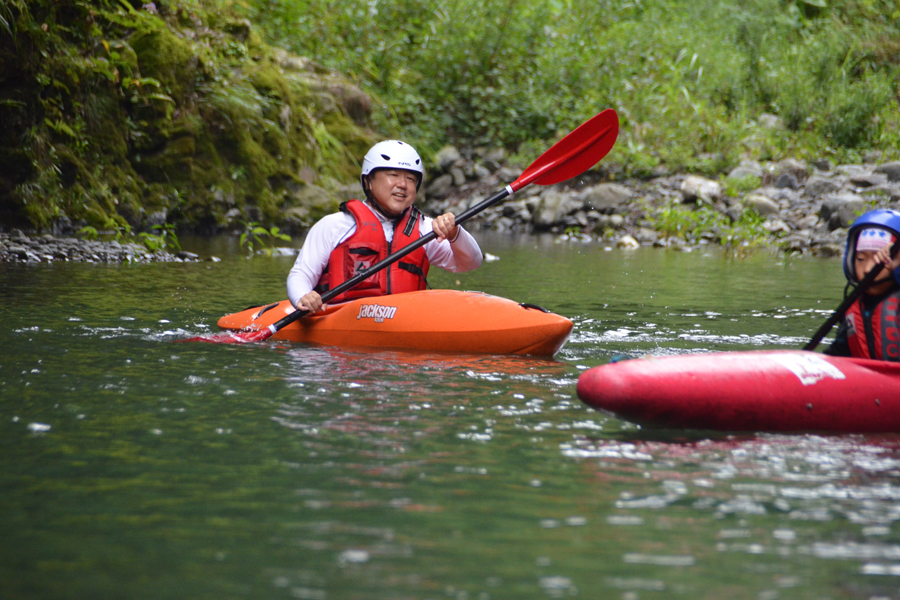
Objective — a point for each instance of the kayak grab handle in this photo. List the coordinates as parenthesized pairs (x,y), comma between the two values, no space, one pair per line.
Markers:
(534,306)
(265,309)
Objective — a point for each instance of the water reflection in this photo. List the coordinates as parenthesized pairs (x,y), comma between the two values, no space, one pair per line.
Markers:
(138,467)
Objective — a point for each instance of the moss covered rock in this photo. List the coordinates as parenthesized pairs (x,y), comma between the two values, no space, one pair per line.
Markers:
(178,110)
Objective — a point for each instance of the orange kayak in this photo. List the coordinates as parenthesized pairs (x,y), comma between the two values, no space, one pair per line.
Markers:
(431,320)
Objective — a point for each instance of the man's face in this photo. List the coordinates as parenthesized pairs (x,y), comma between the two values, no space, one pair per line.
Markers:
(394,189)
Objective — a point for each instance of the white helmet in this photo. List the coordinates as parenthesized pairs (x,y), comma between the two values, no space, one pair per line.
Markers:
(392,154)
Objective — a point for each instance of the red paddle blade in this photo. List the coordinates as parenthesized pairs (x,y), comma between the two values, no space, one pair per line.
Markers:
(233,337)
(575,153)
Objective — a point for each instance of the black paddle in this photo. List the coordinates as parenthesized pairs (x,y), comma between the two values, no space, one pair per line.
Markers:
(568,158)
(839,312)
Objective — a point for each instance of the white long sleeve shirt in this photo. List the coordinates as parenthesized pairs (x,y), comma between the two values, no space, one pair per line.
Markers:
(458,256)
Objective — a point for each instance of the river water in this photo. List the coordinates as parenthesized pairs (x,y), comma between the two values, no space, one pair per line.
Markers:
(136,467)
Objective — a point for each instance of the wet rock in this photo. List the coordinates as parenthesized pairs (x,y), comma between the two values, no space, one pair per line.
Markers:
(869,179)
(493,159)
(851,170)
(552,208)
(447,157)
(823,164)
(891,169)
(840,210)
(798,241)
(606,197)
(873,156)
(746,169)
(775,225)
(695,188)
(627,242)
(761,204)
(793,167)
(787,180)
(458,175)
(157,218)
(646,236)
(819,186)
(441,187)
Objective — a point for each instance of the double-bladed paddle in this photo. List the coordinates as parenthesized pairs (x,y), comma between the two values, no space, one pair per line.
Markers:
(568,158)
(841,310)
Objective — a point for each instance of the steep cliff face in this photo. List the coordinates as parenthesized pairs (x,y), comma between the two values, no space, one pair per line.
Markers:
(123,116)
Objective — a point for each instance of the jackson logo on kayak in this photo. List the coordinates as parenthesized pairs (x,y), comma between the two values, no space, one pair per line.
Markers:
(377,312)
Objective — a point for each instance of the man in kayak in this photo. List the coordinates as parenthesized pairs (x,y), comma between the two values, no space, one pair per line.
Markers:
(871,326)
(348,242)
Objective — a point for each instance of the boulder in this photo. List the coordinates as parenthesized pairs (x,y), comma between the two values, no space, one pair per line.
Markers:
(441,187)
(851,170)
(787,180)
(823,164)
(840,210)
(869,180)
(458,175)
(797,168)
(745,170)
(891,169)
(606,197)
(446,157)
(552,208)
(761,204)
(819,186)
(627,242)
(695,188)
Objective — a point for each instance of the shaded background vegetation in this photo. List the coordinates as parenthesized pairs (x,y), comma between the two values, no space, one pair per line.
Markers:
(689,78)
(112,111)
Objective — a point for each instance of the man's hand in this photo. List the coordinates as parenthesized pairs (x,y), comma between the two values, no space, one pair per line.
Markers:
(445,227)
(311,302)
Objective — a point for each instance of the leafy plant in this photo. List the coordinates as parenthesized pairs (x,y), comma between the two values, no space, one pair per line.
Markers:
(257,239)
(89,233)
(676,220)
(736,187)
(164,239)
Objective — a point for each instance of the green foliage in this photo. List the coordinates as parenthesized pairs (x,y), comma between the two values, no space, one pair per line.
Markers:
(689,79)
(113,109)
(89,233)
(257,239)
(164,239)
(704,222)
(737,187)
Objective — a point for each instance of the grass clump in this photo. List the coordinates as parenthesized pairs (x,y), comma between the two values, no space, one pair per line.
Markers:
(693,224)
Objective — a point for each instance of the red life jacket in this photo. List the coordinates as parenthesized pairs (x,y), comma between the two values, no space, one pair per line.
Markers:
(877,335)
(366,247)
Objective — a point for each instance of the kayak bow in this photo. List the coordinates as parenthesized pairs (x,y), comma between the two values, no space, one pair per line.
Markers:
(786,391)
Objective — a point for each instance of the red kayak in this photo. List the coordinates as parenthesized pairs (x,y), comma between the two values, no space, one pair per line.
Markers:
(430,320)
(785,391)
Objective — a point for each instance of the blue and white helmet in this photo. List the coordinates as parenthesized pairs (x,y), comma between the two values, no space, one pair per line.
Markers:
(871,225)
(392,154)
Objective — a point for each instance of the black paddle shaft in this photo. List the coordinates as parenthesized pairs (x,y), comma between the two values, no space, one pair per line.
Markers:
(839,312)
(387,261)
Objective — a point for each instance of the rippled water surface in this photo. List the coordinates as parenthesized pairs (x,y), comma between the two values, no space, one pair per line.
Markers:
(133,466)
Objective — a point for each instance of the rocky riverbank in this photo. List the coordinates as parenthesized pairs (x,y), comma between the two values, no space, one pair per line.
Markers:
(18,247)
(794,206)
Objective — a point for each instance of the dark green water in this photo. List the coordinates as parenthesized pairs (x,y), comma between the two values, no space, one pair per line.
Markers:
(136,467)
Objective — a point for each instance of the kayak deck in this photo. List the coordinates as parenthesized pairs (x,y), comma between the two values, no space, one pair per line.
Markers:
(778,391)
(433,320)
